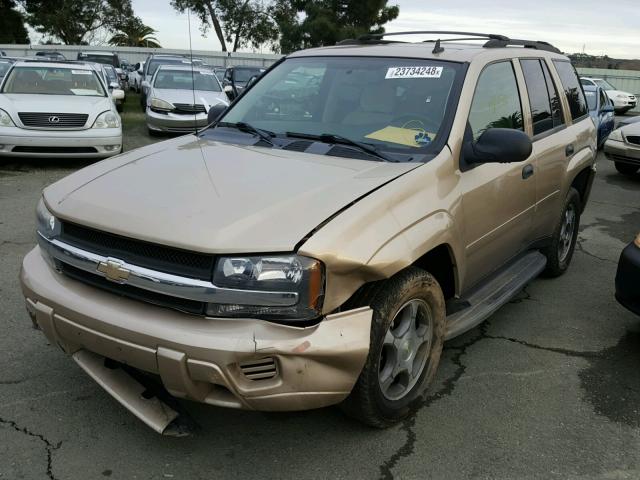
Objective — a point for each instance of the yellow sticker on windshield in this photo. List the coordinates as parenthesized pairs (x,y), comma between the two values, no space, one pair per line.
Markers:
(411,137)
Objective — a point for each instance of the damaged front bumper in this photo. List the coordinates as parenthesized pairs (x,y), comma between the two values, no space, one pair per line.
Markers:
(236,363)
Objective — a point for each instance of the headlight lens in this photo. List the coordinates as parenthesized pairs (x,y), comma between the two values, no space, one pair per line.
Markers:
(616,135)
(303,276)
(5,119)
(159,104)
(107,119)
(46,224)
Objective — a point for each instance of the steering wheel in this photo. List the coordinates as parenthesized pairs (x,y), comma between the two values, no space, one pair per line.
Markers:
(416,122)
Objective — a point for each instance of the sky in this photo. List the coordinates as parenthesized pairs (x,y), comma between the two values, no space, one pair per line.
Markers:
(595,26)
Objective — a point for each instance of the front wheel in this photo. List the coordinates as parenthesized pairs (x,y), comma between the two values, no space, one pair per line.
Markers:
(626,168)
(407,333)
(563,242)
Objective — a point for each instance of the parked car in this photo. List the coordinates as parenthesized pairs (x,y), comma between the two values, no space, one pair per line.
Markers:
(628,277)
(106,58)
(622,101)
(623,148)
(50,55)
(627,121)
(319,249)
(135,77)
(151,65)
(53,109)
(601,111)
(235,79)
(5,64)
(180,97)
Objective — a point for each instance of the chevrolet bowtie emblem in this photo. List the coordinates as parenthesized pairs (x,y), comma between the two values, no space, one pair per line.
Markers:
(114,270)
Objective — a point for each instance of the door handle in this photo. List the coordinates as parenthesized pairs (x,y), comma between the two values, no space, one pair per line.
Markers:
(569,150)
(527,171)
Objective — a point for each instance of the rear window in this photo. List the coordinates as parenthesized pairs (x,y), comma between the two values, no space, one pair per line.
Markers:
(572,89)
(103,59)
(155,63)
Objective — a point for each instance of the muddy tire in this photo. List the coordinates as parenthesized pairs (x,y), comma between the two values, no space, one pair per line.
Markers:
(407,333)
(626,168)
(560,252)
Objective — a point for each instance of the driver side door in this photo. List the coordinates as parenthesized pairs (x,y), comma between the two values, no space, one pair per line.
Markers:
(499,198)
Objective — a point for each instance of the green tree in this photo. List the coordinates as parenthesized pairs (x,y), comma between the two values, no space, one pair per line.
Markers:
(12,29)
(134,33)
(235,22)
(315,23)
(71,21)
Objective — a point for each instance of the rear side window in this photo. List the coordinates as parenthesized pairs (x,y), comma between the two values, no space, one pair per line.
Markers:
(603,99)
(572,89)
(543,97)
(496,102)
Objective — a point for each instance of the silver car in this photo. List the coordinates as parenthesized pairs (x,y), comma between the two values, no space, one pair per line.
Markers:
(54,109)
(180,97)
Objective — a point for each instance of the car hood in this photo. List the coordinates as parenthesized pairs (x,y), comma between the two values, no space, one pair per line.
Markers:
(206,196)
(631,129)
(92,106)
(613,93)
(202,97)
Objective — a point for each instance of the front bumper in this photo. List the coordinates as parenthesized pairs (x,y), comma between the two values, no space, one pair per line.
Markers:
(89,143)
(216,361)
(172,122)
(622,152)
(628,278)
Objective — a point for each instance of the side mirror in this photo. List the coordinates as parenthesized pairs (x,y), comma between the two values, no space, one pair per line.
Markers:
(117,94)
(228,89)
(607,108)
(498,145)
(215,112)
(114,85)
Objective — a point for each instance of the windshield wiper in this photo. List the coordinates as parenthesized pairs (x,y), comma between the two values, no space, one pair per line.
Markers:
(248,128)
(339,139)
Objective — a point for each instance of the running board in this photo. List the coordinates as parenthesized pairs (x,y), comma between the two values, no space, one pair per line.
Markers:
(501,288)
(129,392)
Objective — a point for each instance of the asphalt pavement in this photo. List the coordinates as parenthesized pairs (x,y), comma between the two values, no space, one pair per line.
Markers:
(548,388)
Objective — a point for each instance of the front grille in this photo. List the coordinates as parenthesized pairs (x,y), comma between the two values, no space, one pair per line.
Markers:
(53,120)
(262,369)
(54,150)
(138,252)
(135,293)
(635,139)
(188,108)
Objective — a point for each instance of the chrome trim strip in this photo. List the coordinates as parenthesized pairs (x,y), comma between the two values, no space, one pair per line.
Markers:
(165,283)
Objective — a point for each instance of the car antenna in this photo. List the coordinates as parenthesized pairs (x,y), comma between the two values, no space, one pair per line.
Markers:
(437,48)
(193,82)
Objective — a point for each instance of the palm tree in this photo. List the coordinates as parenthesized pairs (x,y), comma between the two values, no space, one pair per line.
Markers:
(135,34)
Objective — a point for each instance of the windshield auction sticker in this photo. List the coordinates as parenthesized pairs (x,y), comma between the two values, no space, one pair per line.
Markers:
(414,72)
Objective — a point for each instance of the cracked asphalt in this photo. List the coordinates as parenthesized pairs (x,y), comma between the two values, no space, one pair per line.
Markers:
(548,388)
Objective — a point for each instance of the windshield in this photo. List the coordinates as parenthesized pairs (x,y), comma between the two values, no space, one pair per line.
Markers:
(154,64)
(392,103)
(242,75)
(591,99)
(605,85)
(182,80)
(103,59)
(53,81)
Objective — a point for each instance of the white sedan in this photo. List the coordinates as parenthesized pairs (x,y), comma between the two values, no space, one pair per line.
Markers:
(55,109)
(622,101)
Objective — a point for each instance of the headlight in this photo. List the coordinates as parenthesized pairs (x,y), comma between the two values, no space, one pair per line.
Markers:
(107,119)
(47,225)
(616,135)
(5,119)
(291,274)
(161,104)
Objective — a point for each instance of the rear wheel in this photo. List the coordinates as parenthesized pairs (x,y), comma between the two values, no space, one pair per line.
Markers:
(563,243)
(407,333)
(626,168)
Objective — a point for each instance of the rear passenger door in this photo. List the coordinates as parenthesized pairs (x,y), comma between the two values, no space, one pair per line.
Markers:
(549,138)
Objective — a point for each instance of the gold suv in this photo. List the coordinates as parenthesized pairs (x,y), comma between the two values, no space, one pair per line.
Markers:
(354,208)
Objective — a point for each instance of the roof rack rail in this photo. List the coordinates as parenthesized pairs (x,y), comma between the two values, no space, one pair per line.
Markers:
(535,44)
(493,40)
(50,60)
